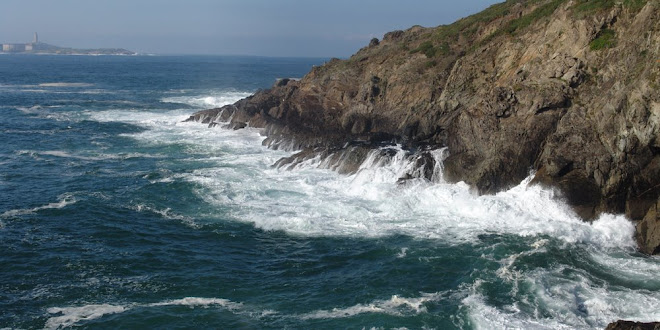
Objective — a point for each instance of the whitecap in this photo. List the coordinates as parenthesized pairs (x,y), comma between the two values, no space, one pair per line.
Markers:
(209,100)
(64,200)
(72,315)
(200,302)
(65,84)
(97,157)
(396,306)
(166,213)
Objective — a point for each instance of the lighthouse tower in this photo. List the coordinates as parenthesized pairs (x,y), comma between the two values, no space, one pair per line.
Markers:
(36,38)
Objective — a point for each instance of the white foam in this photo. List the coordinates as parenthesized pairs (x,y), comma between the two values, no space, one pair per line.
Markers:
(166,213)
(98,157)
(564,298)
(72,315)
(36,109)
(484,316)
(53,91)
(396,305)
(64,200)
(200,302)
(215,100)
(312,200)
(65,84)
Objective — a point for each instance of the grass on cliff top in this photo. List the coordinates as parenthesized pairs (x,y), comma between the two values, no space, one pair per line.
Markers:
(584,8)
(538,13)
(520,23)
(445,35)
(470,24)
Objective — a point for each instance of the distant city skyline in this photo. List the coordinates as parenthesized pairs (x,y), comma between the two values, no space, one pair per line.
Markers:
(228,27)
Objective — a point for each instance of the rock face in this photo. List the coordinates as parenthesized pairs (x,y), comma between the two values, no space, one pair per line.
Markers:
(568,88)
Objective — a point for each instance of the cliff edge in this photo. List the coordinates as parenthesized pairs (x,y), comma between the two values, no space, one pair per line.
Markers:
(568,88)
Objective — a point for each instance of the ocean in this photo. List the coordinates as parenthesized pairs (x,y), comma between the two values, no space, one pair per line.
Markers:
(116,214)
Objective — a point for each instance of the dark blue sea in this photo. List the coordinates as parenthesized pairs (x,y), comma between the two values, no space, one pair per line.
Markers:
(116,214)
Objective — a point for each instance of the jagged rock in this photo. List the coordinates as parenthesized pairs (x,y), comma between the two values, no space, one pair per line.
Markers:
(282,82)
(505,99)
(394,35)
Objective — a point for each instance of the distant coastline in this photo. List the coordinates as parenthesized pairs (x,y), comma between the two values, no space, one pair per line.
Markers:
(37,47)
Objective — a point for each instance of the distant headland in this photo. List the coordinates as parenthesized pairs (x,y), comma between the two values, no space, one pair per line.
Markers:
(37,47)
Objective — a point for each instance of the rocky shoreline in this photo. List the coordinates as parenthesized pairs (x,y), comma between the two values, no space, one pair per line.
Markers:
(568,89)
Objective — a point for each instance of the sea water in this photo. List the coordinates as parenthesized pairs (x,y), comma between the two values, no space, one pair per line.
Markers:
(116,214)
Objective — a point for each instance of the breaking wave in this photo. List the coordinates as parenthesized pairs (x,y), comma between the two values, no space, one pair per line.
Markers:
(215,100)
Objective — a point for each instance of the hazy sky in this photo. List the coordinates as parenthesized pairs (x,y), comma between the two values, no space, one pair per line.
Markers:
(249,27)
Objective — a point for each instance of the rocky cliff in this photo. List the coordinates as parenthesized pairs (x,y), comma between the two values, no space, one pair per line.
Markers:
(567,88)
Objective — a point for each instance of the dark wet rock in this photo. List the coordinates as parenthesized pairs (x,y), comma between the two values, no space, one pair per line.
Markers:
(630,325)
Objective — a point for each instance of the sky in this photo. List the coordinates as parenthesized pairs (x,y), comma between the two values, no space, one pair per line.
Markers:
(305,28)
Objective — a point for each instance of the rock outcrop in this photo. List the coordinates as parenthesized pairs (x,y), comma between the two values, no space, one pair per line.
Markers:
(568,88)
(630,325)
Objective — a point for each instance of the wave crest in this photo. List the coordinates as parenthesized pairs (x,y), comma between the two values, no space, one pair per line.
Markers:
(64,200)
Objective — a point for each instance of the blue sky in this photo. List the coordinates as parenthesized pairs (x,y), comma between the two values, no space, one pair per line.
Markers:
(247,27)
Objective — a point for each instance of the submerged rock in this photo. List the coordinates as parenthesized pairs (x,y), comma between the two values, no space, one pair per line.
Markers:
(524,85)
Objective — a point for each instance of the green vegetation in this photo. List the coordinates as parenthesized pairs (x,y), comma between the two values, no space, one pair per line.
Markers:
(635,5)
(520,23)
(606,39)
(443,48)
(438,43)
(469,25)
(585,7)
(536,15)
(426,48)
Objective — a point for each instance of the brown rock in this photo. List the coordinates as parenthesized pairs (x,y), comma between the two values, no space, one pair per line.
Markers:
(648,230)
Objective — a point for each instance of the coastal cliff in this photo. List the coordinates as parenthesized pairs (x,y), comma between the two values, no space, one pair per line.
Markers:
(567,88)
